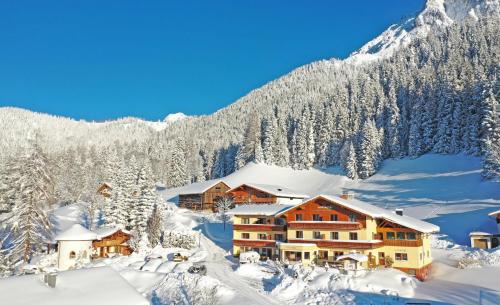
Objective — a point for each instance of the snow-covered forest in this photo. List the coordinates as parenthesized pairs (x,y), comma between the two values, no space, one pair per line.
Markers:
(437,93)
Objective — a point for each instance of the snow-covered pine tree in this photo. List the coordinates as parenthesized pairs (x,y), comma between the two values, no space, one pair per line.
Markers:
(269,138)
(177,175)
(154,226)
(251,147)
(348,160)
(369,154)
(30,222)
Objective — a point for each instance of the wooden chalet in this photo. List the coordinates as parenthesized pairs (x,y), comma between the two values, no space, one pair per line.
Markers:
(265,194)
(203,195)
(104,189)
(110,241)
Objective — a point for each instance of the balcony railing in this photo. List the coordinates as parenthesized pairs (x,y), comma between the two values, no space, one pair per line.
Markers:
(254,243)
(254,199)
(347,244)
(403,243)
(258,227)
(326,225)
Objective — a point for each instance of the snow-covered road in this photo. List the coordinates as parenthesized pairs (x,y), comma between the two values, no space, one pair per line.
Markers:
(220,267)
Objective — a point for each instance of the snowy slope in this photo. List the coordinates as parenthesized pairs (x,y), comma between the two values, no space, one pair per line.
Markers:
(427,187)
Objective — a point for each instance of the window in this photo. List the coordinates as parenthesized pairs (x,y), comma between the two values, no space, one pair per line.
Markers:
(298,217)
(279,237)
(323,254)
(334,217)
(306,255)
(411,236)
(262,236)
(334,235)
(279,221)
(299,234)
(400,235)
(245,221)
(261,221)
(353,218)
(337,254)
(316,235)
(316,217)
(353,236)
(245,235)
(72,254)
(390,235)
(401,257)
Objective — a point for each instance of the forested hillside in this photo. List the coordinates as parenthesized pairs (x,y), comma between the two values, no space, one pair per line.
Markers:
(428,85)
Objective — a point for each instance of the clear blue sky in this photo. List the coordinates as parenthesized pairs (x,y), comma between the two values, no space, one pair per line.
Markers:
(105,59)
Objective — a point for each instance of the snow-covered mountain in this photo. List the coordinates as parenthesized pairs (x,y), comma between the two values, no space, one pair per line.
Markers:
(388,91)
(435,15)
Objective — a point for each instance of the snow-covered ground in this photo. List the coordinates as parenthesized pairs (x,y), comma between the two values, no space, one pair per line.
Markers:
(445,190)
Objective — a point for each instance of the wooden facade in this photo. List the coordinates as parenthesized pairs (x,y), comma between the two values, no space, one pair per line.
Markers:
(327,212)
(205,199)
(117,243)
(247,194)
(105,190)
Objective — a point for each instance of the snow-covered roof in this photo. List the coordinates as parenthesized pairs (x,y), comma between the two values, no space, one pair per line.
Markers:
(494,213)
(199,187)
(479,233)
(76,232)
(275,190)
(259,209)
(354,256)
(76,287)
(107,231)
(376,212)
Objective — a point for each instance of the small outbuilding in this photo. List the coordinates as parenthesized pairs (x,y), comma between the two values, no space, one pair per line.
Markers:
(74,246)
(353,261)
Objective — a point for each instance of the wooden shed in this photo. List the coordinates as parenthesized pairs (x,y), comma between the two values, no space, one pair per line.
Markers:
(203,195)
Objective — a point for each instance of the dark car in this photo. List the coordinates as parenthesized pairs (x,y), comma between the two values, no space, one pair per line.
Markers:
(198,269)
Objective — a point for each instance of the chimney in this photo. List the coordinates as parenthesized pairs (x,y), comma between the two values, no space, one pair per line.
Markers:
(346,195)
(399,212)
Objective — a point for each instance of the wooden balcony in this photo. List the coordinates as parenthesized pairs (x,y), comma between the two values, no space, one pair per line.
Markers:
(253,199)
(258,227)
(403,243)
(254,243)
(325,225)
(348,244)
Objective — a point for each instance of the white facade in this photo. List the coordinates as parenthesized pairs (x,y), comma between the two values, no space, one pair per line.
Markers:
(74,246)
(72,251)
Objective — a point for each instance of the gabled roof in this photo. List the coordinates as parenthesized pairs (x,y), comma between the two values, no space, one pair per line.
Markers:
(84,286)
(199,187)
(375,212)
(76,232)
(275,190)
(259,209)
(103,232)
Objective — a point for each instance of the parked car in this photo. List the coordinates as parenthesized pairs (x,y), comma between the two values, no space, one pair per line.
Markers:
(198,269)
(178,257)
(152,256)
(249,257)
